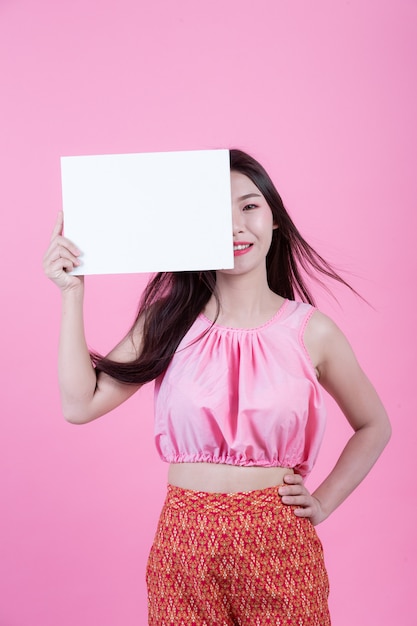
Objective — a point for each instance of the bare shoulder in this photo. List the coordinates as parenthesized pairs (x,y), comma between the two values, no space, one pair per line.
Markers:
(324,340)
(321,325)
(341,375)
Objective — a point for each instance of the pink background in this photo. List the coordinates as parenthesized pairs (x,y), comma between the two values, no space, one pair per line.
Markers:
(324,94)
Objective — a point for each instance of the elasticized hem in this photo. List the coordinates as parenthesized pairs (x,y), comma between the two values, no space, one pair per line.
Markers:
(227,460)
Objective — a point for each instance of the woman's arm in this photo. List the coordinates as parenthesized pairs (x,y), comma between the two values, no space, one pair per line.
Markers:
(341,375)
(84,396)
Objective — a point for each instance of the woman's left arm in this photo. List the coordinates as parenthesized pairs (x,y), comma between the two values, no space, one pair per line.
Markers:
(341,375)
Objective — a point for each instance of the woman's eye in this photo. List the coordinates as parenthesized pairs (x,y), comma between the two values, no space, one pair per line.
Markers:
(248,207)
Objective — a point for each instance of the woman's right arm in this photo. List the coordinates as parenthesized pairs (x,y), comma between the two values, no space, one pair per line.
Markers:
(84,395)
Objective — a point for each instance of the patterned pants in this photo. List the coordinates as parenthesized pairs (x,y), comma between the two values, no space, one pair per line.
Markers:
(241,559)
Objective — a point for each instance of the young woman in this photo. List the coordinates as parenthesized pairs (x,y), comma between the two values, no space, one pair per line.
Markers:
(239,368)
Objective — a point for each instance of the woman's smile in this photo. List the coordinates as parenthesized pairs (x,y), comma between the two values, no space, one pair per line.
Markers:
(241,247)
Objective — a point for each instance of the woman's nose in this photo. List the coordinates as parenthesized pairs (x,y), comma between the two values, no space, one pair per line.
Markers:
(237,221)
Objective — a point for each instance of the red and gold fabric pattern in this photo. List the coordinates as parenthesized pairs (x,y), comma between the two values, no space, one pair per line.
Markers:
(240,559)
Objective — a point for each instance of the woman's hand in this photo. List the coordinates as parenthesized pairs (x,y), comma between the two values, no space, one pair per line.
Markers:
(295,494)
(60,258)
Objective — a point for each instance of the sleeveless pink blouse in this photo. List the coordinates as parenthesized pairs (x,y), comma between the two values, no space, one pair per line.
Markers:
(242,396)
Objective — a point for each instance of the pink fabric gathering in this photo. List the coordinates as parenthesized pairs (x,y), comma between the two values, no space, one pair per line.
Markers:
(246,397)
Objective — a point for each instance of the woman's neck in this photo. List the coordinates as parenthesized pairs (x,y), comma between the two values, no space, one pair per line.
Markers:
(245,301)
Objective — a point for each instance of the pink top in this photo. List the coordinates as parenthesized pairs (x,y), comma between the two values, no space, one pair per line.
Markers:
(242,396)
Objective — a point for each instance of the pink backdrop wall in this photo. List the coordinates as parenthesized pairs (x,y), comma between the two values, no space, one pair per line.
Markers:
(324,94)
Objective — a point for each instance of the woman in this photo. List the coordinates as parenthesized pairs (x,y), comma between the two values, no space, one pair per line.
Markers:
(238,368)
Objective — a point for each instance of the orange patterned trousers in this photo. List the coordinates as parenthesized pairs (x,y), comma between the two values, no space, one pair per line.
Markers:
(241,559)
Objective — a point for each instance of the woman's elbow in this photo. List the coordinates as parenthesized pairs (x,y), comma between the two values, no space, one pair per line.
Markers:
(382,431)
(386,432)
(76,416)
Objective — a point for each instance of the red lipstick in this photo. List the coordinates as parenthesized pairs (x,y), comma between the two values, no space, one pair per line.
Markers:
(241,247)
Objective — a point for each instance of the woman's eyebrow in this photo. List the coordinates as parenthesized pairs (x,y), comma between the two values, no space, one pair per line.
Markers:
(250,195)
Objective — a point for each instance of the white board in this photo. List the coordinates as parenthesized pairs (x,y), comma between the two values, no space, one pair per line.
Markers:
(149,212)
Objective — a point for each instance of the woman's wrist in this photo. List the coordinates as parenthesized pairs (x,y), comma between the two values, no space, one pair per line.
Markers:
(73,292)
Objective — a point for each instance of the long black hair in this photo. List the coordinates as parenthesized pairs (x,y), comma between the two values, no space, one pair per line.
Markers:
(289,255)
(172,300)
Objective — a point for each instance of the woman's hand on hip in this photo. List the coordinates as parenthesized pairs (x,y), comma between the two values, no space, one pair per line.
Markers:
(295,494)
(61,258)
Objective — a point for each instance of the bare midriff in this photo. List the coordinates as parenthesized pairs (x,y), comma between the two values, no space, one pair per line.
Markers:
(221,478)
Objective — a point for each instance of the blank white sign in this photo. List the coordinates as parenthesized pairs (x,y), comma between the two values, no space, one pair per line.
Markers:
(151,212)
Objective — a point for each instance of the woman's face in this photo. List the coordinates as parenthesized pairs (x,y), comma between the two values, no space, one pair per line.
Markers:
(252,224)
